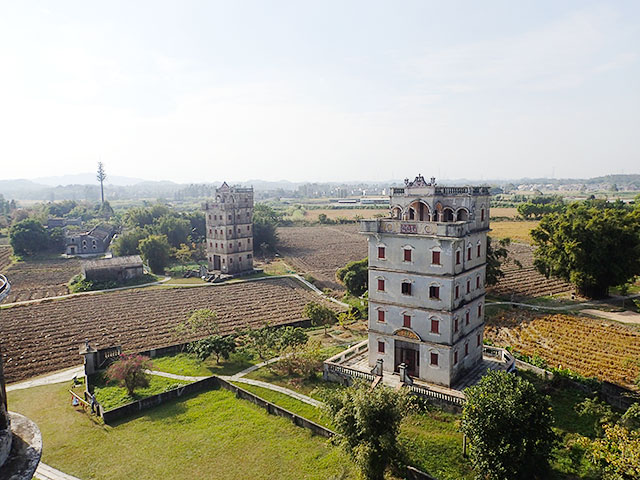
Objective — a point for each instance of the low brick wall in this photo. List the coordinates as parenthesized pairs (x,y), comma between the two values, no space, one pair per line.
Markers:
(110,416)
(275,409)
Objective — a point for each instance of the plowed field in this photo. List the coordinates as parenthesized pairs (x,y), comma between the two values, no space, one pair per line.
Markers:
(320,250)
(5,257)
(526,281)
(42,337)
(40,278)
(593,348)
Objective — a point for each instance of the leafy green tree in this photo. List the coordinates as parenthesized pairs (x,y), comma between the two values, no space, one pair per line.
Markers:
(218,345)
(593,247)
(355,276)
(367,422)
(319,315)
(128,243)
(289,336)
(263,341)
(155,250)
(183,255)
(129,370)
(539,206)
(28,237)
(176,229)
(509,426)
(265,222)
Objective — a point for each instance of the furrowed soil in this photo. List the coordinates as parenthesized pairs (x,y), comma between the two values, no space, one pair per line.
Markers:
(34,279)
(45,336)
(320,250)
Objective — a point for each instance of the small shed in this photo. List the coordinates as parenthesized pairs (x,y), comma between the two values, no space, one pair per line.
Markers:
(117,269)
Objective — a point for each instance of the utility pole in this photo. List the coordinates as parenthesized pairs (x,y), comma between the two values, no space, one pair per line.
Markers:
(101,176)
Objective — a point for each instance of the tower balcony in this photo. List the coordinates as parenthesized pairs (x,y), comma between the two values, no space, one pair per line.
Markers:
(415,227)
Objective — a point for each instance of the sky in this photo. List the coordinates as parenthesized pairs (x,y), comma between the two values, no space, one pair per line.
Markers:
(195,91)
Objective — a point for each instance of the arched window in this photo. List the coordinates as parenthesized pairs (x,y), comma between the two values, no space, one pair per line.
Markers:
(447,215)
(462,215)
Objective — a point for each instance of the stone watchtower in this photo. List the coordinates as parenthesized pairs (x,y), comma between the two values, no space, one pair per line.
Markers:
(427,266)
(230,230)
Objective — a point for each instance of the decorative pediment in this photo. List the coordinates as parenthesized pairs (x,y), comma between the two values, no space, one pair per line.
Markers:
(419,182)
(407,333)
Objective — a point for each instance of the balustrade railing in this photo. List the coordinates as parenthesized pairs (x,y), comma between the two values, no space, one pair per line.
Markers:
(5,287)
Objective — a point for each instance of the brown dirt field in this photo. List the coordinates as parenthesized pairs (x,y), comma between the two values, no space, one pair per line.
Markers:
(5,258)
(526,281)
(36,279)
(518,231)
(320,250)
(45,336)
(593,348)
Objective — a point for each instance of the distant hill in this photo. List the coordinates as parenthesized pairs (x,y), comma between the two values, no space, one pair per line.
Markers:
(86,179)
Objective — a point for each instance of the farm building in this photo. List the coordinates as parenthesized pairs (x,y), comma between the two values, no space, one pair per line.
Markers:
(94,242)
(117,269)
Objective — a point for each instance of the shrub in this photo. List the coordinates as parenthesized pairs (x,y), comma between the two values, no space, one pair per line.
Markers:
(129,370)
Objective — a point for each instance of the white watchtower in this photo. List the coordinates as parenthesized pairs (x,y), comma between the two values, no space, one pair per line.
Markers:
(427,266)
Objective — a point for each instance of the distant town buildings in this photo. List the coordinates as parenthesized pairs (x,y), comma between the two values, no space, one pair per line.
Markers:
(427,266)
(230,230)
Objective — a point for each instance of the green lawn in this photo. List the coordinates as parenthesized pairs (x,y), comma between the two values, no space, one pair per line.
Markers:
(293,405)
(110,395)
(211,435)
(189,365)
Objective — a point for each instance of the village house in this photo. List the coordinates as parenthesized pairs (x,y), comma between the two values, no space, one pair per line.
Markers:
(116,269)
(94,242)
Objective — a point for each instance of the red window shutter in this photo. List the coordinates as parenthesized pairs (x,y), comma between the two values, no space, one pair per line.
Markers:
(407,321)
(435,258)
(482,215)
(381,284)
(381,252)
(478,250)
(478,340)
(469,253)
(466,318)
(458,257)
(455,357)
(457,291)
(407,255)
(455,325)
(479,310)
(434,359)
(381,315)
(468,286)
(466,349)
(435,326)
(380,347)
(477,282)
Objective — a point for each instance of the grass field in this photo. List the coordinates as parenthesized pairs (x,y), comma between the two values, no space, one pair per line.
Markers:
(311,215)
(189,365)
(517,230)
(110,395)
(498,212)
(211,435)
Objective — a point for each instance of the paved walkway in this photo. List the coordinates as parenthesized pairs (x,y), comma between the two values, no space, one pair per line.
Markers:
(624,317)
(58,377)
(45,472)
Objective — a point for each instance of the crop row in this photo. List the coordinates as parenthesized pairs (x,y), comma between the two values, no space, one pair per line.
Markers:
(42,337)
(590,347)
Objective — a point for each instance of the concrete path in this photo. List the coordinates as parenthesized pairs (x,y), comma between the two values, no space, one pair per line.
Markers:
(58,377)
(624,317)
(173,376)
(45,472)
(276,388)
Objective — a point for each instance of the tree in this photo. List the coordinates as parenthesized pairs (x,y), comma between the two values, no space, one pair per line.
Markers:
(155,250)
(593,245)
(129,370)
(183,255)
(367,423)
(201,323)
(101,176)
(129,243)
(319,315)
(28,237)
(176,229)
(509,426)
(218,345)
(496,257)
(265,222)
(354,276)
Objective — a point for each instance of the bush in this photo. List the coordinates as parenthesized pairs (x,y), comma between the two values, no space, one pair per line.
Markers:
(129,370)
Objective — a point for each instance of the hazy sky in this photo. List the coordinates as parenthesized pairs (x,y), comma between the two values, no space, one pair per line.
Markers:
(331,90)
